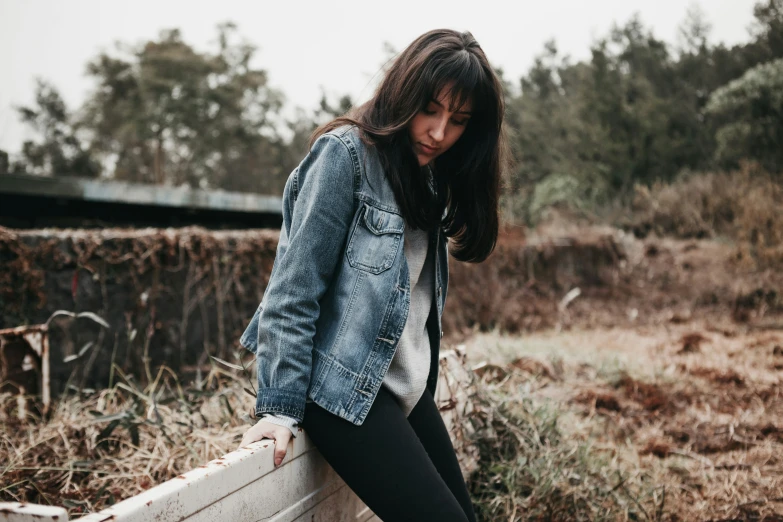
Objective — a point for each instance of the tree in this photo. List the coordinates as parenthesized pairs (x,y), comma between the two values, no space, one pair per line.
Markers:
(552,144)
(164,113)
(768,29)
(636,113)
(750,110)
(694,31)
(4,162)
(301,127)
(585,133)
(60,152)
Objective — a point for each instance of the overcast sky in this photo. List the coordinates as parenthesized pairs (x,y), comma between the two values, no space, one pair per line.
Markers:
(309,45)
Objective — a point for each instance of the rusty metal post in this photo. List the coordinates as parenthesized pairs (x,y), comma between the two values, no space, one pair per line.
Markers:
(24,363)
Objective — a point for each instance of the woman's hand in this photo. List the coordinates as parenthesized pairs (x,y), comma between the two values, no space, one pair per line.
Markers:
(266,430)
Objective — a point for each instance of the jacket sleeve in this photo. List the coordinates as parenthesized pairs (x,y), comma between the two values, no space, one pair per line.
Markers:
(316,219)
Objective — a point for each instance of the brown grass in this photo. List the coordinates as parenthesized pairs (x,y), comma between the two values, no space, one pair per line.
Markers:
(705,426)
(99,448)
(742,205)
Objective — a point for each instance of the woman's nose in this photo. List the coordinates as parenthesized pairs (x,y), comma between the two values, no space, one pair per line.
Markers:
(438,130)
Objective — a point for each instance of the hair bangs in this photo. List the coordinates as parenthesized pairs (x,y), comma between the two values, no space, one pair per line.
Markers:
(458,77)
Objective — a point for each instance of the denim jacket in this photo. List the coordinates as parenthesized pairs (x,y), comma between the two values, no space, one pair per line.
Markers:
(338,296)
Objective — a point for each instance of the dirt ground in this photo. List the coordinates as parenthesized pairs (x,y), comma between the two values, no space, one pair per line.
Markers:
(674,372)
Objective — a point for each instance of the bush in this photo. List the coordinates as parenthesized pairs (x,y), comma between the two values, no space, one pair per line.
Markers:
(743,205)
(529,469)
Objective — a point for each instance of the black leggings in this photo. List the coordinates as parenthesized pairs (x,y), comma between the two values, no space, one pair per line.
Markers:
(403,469)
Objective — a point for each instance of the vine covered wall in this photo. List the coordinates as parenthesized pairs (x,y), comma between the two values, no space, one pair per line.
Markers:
(174,297)
(169,296)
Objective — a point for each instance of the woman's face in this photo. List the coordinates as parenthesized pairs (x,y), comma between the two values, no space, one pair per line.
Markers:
(435,128)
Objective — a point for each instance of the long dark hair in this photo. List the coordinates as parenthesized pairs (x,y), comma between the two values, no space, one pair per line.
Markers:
(467,176)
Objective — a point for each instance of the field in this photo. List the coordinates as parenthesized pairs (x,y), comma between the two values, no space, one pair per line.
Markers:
(691,417)
(652,393)
(666,384)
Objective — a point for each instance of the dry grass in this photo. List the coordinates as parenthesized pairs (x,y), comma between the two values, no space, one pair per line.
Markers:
(604,424)
(99,448)
(530,468)
(519,286)
(743,205)
(704,425)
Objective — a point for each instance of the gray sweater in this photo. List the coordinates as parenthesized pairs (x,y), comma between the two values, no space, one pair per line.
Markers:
(406,378)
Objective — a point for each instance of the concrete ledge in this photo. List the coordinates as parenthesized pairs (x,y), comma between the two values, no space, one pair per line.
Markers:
(241,486)
(20,512)
(244,485)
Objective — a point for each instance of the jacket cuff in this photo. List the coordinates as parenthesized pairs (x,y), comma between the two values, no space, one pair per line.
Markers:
(272,400)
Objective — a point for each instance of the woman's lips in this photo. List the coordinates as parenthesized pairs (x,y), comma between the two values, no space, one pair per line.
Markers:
(427,149)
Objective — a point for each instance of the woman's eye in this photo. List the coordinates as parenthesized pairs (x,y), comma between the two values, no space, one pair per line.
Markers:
(460,122)
(428,112)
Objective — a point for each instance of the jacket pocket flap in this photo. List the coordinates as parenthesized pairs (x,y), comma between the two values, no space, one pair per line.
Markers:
(382,222)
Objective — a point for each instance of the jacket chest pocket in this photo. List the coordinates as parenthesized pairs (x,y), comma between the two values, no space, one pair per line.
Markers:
(375,239)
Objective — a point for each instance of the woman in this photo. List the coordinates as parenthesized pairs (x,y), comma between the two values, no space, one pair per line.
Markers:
(348,331)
